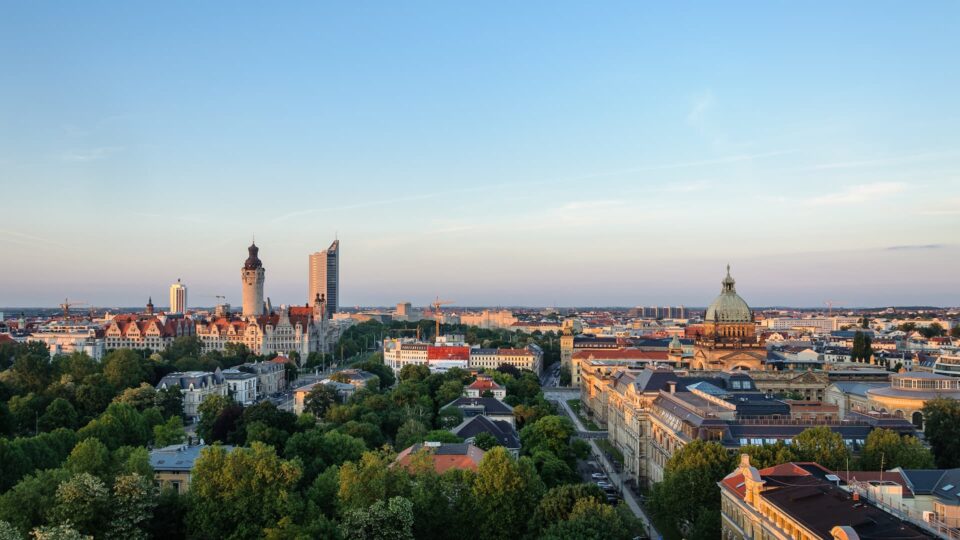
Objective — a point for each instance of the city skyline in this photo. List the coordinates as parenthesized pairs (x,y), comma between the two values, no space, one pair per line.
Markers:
(511,155)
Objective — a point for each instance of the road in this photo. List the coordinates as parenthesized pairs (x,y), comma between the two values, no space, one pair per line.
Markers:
(551,376)
(628,497)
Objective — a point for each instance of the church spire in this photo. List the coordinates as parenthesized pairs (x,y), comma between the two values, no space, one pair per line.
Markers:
(728,282)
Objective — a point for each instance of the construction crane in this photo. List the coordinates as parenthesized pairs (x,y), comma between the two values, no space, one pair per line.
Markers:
(67,304)
(830,304)
(436,311)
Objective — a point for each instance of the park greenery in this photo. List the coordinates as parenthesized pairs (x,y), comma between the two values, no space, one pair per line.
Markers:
(76,436)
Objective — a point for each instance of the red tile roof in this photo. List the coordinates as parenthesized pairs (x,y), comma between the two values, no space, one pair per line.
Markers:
(445,457)
(448,353)
(484,383)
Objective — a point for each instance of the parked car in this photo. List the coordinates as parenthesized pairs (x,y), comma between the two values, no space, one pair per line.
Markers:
(598,476)
(604,485)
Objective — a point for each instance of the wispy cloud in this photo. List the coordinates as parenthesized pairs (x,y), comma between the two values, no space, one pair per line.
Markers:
(27,239)
(915,246)
(858,194)
(887,161)
(90,154)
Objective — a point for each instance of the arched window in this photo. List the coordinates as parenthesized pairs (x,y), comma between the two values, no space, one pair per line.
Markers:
(917,419)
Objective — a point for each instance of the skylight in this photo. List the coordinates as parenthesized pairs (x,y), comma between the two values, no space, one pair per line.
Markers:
(947,487)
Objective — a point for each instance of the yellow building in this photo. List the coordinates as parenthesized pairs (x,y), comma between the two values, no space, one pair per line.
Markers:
(909,391)
(797,501)
(173,465)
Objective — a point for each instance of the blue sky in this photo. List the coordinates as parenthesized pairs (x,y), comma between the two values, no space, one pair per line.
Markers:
(535,153)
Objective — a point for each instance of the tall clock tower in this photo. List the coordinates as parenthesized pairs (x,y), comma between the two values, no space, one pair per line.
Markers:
(252,275)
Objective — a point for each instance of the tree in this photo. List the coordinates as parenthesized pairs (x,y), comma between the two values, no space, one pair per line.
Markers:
(941,428)
(449,417)
(31,368)
(170,432)
(449,391)
(184,346)
(768,455)
(823,446)
(414,372)
(239,493)
(134,499)
(590,519)
(506,492)
(370,480)
(862,349)
(955,332)
(558,502)
(89,456)
(170,401)
(886,449)
(485,441)
(317,450)
(122,368)
(29,502)
(688,499)
(383,520)
(141,397)
(83,502)
(121,425)
(933,330)
(551,433)
(319,399)
(565,377)
(410,433)
(58,532)
(209,410)
(59,414)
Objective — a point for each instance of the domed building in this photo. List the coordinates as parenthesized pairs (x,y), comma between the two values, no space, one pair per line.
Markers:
(729,338)
(729,316)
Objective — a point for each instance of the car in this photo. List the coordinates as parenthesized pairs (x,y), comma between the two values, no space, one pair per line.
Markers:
(598,476)
(604,485)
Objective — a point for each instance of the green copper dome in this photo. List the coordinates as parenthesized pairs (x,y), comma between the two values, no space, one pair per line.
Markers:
(728,307)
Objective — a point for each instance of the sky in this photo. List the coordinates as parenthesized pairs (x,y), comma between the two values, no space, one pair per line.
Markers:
(542,153)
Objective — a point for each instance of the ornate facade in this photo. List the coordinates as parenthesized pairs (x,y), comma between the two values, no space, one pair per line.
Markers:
(729,336)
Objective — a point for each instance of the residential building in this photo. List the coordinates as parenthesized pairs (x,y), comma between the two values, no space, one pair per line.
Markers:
(178,299)
(492,408)
(241,386)
(135,331)
(907,392)
(324,279)
(173,465)
(482,385)
(504,432)
(801,501)
(252,277)
(443,456)
(196,386)
(72,337)
(271,376)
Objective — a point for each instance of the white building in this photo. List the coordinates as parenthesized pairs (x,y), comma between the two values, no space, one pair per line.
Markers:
(196,386)
(241,386)
(489,319)
(69,337)
(178,298)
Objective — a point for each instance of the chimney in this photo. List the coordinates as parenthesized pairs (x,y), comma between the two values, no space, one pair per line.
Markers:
(673,386)
(856,496)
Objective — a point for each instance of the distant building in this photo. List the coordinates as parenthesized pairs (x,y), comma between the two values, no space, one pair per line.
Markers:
(729,338)
(135,331)
(252,276)
(401,352)
(271,376)
(492,408)
(489,319)
(196,386)
(443,456)
(803,501)
(173,465)
(178,299)
(300,329)
(324,279)
(71,337)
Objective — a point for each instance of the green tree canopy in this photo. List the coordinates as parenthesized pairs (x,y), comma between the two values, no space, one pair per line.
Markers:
(942,429)
(887,449)
(506,492)
(237,494)
(383,520)
(823,446)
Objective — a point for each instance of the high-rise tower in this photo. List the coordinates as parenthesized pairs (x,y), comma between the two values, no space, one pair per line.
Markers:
(178,298)
(325,277)
(252,276)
